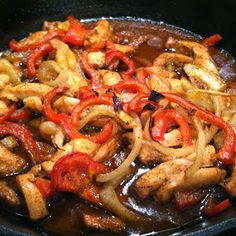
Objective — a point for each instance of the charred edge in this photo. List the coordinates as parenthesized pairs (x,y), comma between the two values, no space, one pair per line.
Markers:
(192,112)
(116,103)
(151,122)
(149,107)
(155,96)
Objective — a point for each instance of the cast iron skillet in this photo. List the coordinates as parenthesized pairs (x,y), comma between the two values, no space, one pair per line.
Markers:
(18,18)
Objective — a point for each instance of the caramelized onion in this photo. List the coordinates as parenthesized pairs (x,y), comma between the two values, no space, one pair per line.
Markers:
(137,143)
(200,149)
(175,152)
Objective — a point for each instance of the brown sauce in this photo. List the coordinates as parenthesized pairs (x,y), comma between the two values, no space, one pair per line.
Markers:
(65,209)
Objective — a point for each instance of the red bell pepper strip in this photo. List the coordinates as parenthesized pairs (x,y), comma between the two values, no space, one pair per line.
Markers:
(112,54)
(21,114)
(75,173)
(62,119)
(212,40)
(65,121)
(75,115)
(14,45)
(90,71)
(137,103)
(44,187)
(8,114)
(76,32)
(25,137)
(161,121)
(131,85)
(216,209)
(35,56)
(104,134)
(85,92)
(226,153)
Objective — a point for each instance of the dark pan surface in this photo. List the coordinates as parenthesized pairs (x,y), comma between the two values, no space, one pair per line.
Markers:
(18,18)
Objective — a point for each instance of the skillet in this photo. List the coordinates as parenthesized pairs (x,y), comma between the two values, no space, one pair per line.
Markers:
(17,18)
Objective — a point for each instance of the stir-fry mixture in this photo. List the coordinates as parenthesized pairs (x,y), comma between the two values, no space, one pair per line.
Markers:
(79,116)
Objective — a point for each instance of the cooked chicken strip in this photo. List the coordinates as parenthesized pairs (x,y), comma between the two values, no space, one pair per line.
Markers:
(108,149)
(25,90)
(75,145)
(154,178)
(166,57)
(65,104)
(110,77)
(8,69)
(150,155)
(9,162)
(203,67)
(53,132)
(8,195)
(3,107)
(34,103)
(96,59)
(35,202)
(203,178)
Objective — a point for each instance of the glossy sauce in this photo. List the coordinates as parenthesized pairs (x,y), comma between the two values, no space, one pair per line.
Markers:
(65,208)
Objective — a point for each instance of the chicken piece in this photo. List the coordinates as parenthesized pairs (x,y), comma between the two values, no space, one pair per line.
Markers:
(204,177)
(34,103)
(101,33)
(35,202)
(154,178)
(53,132)
(75,145)
(209,157)
(10,71)
(158,79)
(4,80)
(206,77)
(9,162)
(65,104)
(149,154)
(167,57)
(172,138)
(166,191)
(96,59)
(10,142)
(203,67)
(69,75)
(176,86)
(47,72)
(102,222)
(108,149)
(110,77)
(25,90)
(3,108)
(8,195)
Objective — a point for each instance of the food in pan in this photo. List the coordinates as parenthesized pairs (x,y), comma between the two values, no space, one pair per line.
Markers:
(116,127)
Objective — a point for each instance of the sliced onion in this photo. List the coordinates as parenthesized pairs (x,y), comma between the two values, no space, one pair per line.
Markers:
(213,129)
(211,92)
(137,143)
(100,111)
(200,149)
(110,200)
(174,152)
